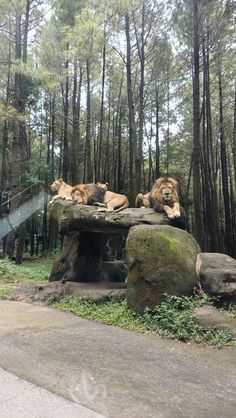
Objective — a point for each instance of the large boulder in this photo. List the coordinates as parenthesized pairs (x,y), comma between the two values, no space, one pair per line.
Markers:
(161,259)
(217,274)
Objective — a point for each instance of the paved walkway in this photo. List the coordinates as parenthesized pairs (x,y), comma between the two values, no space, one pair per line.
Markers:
(59,363)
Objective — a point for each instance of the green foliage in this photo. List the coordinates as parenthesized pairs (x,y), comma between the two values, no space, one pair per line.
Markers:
(112,312)
(29,272)
(5,292)
(173,318)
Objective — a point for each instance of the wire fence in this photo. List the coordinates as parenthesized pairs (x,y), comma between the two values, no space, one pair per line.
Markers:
(10,221)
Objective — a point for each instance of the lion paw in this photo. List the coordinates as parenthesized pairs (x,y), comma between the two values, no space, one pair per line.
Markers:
(176,213)
(169,212)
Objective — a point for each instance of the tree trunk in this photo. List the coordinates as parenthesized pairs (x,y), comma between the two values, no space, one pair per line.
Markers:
(199,228)
(100,142)
(157,173)
(229,241)
(65,157)
(88,174)
(134,186)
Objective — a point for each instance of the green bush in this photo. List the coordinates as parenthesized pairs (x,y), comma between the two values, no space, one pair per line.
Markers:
(174,319)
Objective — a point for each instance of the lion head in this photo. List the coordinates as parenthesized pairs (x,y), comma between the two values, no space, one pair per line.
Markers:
(164,189)
(56,185)
(88,194)
(103,185)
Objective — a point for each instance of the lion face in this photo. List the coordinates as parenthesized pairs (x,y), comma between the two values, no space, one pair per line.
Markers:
(167,188)
(56,185)
(103,185)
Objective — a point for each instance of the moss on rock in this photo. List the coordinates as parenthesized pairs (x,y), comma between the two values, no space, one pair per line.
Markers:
(161,259)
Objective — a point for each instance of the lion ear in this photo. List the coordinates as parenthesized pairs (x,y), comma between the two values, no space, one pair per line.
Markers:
(60,180)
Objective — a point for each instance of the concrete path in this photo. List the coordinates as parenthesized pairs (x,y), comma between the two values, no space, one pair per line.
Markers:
(114,372)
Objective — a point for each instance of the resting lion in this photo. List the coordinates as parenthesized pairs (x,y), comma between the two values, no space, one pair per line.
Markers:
(162,197)
(88,194)
(114,202)
(98,195)
(63,191)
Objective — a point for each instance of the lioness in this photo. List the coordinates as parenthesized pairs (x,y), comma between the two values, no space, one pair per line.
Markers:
(162,197)
(114,202)
(63,191)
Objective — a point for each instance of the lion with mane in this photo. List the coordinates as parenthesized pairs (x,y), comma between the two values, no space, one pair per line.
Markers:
(162,198)
(98,195)
(88,194)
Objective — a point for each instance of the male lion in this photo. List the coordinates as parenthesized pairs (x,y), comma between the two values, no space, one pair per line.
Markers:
(88,194)
(162,197)
(63,191)
(98,195)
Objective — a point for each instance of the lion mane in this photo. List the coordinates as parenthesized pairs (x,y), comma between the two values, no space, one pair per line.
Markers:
(88,194)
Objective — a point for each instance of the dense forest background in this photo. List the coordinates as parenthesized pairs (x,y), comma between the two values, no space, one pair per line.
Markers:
(118,91)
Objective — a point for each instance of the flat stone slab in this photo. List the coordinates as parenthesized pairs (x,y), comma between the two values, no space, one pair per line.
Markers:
(75,217)
(112,371)
(96,291)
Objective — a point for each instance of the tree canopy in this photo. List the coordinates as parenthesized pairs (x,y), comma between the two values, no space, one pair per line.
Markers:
(120,92)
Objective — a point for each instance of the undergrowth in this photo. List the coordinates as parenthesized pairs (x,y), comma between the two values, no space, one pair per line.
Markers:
(173,318)
(28,272)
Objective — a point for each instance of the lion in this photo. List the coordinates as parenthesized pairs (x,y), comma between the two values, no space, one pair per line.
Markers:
(98,195)
(88,194)
(142,200)
(114,202)
(63,191)
(162,197)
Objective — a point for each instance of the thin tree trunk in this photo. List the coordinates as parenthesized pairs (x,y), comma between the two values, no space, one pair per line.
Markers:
(228,239)
(132,125)
(199,228)
(157,171)
(88,177)
(65,157)
(100,142)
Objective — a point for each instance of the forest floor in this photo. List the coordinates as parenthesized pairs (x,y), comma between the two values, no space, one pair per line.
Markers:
(172,319)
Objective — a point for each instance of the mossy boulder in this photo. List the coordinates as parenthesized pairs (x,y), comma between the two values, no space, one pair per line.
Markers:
(161,259)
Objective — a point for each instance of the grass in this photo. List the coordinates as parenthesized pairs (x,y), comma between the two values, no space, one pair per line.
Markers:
(111,312)
(32,271)
(173,318)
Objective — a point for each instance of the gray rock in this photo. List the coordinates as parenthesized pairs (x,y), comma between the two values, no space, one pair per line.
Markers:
(209,316)
(97,291)
(217,274)
(161,259)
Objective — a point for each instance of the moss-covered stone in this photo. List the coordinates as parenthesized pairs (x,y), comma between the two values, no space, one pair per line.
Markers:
(161,259)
